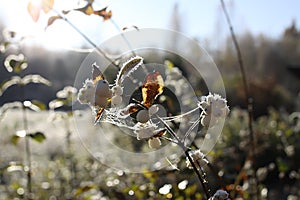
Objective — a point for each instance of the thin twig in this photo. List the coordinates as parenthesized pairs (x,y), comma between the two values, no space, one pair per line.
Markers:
(186,151)
(249,100)
(100,51)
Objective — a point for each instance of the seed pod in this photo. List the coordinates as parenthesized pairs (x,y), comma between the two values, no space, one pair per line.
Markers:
(154,143)
(117,90)
(153,109)
(116,100)
(143,116)
(101,101)
(102,89)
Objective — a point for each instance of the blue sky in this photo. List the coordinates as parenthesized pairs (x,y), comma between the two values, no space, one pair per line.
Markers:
(200,19)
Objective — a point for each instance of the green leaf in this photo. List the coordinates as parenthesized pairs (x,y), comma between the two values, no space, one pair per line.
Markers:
(38,137)
(14,139)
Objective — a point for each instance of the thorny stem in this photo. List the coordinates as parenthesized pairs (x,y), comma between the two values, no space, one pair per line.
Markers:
(246,89)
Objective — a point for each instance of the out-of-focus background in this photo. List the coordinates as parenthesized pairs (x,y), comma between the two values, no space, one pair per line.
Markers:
(268,33)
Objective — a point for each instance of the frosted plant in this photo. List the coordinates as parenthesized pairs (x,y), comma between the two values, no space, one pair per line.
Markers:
(143,118)
(220,195)
(198,158)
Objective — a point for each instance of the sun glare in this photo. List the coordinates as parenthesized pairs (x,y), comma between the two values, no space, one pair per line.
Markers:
(57,36)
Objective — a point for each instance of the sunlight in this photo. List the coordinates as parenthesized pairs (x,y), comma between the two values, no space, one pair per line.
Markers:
(59,35)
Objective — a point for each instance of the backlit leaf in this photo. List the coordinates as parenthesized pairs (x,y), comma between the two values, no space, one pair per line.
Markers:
(128,67)
(47,5)
(52,19)
(99,114)
(104,13)
(34,10)
(159,133)
(97,74)
(38,137)
(152,87)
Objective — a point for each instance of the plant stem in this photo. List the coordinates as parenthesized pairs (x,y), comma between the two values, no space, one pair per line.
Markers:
(249,100)
(186,151)
(100,51)
(27,147)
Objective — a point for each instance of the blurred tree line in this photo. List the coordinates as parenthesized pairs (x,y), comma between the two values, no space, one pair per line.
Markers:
(272,66)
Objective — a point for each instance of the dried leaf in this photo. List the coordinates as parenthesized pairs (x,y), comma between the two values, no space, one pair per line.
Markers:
(128,67)
(99,114)
(104,13)
(97,74)
(131,108)
(152,87)
(52,19)
(159,133)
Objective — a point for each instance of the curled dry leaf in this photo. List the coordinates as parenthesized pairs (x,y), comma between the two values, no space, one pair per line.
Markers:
(128,68)
(52,19)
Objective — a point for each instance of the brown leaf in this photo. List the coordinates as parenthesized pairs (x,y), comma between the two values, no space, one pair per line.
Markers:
(103,13)
(97,74)
(159,133)
(34,10)
(52,19)
(99,114)
(128,68)
(88,9)
(152,87)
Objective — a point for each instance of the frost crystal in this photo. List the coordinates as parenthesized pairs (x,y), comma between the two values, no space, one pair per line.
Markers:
(198,158)
(220,195)
(214,107)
